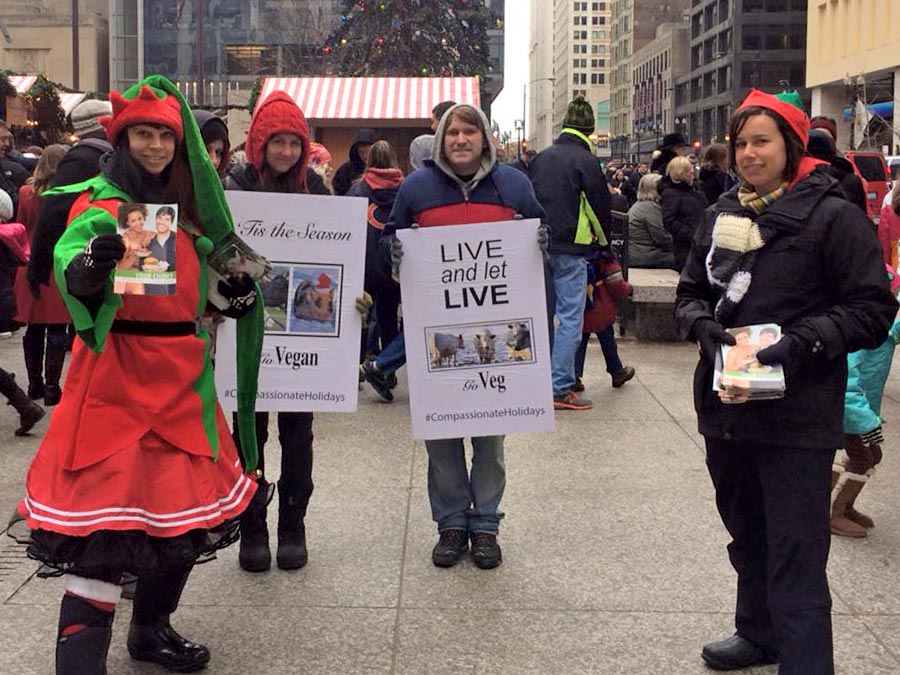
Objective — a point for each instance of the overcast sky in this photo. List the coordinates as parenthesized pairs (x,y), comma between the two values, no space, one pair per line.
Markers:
(507,107)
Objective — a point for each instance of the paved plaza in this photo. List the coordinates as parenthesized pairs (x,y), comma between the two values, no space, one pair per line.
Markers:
(614,556)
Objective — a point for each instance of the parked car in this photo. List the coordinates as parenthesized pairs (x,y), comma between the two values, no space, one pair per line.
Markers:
(872,168)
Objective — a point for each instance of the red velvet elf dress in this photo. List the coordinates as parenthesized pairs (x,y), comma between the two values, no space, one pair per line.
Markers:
(138,469)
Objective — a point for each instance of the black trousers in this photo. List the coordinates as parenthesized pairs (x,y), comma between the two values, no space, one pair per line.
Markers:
(296,437)
(775,503)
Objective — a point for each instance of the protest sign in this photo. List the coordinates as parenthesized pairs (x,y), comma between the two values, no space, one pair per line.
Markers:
(316,246)
(475,325)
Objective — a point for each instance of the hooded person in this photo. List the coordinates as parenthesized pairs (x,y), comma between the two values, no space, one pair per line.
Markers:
(214,132)
(777,250)
(821,146)
(464,183)
(278,153)
(140,401)
(350,171)
(420,150)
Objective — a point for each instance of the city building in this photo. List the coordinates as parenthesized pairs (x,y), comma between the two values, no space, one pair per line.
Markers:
(737,45)
(654,69)
(38,37)
(568,56)
(851,55)
(633,26)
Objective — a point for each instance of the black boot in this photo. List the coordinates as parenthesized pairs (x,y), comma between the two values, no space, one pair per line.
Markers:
(159,643)
(29,411)
(56,359)
(292,503)
(254,555)
(83,638)
(33,346)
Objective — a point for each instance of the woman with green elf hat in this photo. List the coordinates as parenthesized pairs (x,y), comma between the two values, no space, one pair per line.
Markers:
(138,472)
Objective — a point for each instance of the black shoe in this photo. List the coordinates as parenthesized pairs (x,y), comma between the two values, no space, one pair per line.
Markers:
(159,643)
(620,378)
(254,554)
(450,547)
(486,552)
(578,386)
(52,395)
(291,553)
(377,379)
(735,653)
(36,390)
(391,381)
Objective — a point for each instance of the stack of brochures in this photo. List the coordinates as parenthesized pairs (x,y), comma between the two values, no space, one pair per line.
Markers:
(739,377)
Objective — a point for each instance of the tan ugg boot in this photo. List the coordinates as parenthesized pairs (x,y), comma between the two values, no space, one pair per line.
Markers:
(845,491)
(856,516)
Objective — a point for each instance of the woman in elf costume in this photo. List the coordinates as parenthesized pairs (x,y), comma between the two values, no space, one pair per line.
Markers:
(785,248)
(138,473)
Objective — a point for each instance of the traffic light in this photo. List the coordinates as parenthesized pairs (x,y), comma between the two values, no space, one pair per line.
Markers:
(696,145)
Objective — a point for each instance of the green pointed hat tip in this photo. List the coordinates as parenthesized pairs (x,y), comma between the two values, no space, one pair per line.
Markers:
(793,98)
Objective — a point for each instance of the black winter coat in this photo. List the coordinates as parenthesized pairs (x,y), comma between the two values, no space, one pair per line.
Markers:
(77,165)
(823,275)
(351,170)
(682,213)
(378,275)
(713,182)
(559,175)
(245,177)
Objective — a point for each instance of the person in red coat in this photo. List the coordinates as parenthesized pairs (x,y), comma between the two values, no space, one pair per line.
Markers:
(606,286)
(42,310)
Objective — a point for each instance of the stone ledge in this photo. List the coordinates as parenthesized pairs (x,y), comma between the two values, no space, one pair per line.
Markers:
(656,286)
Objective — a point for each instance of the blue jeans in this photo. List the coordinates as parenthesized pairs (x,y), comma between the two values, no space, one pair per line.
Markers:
(569,274)
(392,357)
(461,501)
(607,338)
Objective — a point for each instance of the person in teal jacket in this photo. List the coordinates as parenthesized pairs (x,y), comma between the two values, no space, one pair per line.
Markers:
(867,372)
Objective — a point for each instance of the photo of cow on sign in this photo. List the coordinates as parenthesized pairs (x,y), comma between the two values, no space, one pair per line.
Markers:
(479,344)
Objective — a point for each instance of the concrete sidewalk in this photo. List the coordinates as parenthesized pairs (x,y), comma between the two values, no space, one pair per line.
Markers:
(614,556)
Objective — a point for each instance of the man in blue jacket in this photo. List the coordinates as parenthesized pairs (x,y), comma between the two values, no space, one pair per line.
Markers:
(571,187)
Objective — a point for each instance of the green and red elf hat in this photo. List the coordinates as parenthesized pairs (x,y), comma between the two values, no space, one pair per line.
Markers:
(171,109)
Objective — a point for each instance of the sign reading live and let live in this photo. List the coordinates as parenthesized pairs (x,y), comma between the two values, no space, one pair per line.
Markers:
(316,246)
(475,323)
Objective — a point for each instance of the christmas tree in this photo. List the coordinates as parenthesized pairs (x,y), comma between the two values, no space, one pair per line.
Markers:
(411,38)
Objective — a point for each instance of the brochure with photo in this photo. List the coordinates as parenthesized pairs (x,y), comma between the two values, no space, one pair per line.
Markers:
(739,377)
(149,232)
(232,256)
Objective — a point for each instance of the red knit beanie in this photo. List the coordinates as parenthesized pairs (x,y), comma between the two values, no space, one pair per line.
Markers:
(277,114)
(796,118)
(142,104)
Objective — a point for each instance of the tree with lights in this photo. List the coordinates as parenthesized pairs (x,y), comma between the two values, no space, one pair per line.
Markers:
(411,37)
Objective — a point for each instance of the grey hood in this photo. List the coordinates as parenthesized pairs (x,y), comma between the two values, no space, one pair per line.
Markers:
(488,154)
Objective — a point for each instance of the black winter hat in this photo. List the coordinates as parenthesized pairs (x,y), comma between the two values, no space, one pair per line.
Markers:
(579,116)
(672,141)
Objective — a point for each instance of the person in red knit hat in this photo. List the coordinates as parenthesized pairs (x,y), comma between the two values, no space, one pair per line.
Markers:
(137,473)
(278,153)
(777,251)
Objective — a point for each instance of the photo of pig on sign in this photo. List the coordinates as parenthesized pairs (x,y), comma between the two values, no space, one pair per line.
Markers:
(475,324)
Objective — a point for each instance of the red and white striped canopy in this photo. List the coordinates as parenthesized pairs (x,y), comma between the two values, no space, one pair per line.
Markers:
(67,100)
(372,98)
(22,83)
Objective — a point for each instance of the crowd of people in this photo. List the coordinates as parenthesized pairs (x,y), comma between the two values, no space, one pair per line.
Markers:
(764,230)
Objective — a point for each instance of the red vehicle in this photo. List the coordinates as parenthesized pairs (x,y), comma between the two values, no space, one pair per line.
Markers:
(871,167)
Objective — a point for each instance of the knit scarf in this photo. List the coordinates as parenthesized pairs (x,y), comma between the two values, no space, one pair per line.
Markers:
(736,241)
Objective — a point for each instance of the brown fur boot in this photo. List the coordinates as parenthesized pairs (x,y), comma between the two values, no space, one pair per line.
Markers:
(845,492)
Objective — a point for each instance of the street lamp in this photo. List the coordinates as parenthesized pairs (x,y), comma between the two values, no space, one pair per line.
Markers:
(525,99)
(520,133)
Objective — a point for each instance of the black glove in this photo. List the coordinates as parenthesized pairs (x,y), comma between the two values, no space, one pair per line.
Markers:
(787,351)
(709,335)
(89,271)
(240,292)
(104,251)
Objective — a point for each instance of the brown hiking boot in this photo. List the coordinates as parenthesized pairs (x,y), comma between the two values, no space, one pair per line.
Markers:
(620,378)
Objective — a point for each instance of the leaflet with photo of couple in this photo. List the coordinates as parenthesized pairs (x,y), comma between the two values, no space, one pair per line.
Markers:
(739,377)
(149,233)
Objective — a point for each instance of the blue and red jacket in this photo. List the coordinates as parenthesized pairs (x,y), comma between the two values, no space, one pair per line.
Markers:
(430,197)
